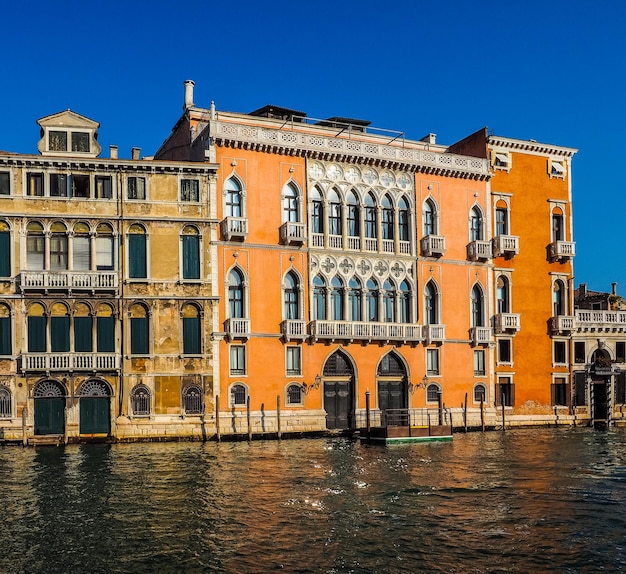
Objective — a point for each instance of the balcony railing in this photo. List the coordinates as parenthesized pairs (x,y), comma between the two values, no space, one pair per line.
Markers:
(505,246)
(293,233)
(507,322)
(434,333)
(237,328)
(588,320)
(479,250)
(562,323)
(294,330)
(70,362)
(362,331)
(433,246)
(235,228)
(66,280)
(480,335)
(562,250)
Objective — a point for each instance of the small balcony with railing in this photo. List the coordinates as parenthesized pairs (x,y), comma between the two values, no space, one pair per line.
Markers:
(479,250)
(93,281)
(480,336)
(294,330)
(434,334)
(507,323)
(235,328)
(365,331)
(234,228)
(562,250)
(293,233)
(433,246)
(600,321)
(561,324)
(66,362)
(505,246)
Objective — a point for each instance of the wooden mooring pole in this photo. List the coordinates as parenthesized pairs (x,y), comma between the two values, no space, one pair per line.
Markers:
(465,413)
(217,417)
(502,404)
(248,418)
(482,414)
(367,414)
(279,433)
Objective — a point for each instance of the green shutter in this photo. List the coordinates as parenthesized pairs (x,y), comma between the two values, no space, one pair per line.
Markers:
(191,335)
(60,334)
(5,254)
(139,335)
(191,257)
(83,335)
(137,256)
(105,327)
(36,334)
(5,335)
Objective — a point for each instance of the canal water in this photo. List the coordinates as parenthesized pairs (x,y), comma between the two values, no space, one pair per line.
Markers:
(520,501)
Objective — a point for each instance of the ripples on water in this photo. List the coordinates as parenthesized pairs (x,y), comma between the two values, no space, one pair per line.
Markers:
(523,501)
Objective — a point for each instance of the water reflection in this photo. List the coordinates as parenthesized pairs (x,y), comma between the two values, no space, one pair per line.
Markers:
(536,500)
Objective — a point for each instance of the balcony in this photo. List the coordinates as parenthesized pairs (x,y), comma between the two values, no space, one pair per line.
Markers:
(562,324)
(479,251)
(48,362)
(434,334)
(600,321)
(237,328)
(294,330)
(362,331)
(562,250)
(234,228)
(507,323)
(505,246)
(68,280)
(292,233)
(433,246)
(480,335)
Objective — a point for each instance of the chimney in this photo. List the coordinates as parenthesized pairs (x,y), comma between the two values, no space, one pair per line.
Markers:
(135,152)
(113,151)
(613,288)
(189,84)
(430,139)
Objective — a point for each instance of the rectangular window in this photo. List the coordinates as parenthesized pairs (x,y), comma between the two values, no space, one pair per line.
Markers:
(237,360)
(479,362)
(60,334)
(58,252)
(104,187)
(37,340)
(5,183)
(81,258)
(559,392)
(104,253)
(620,352)
(5,335)
(136,188)
(620,388)
(35,184)
(137,268)
(81,186)
(189,190)
(139,341)
(35,247)
(80,141)
(293,358)
(105,334)
(5,253)
(191,335)
(83,334)
(580,388)
(191,257)
(579,352)
(432,361)
(505,392)
(57,141)
(560,352)
(504,351)
(58,185)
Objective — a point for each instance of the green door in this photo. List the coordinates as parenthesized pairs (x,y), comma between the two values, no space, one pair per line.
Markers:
(95,415)
(49,418)
(338,404)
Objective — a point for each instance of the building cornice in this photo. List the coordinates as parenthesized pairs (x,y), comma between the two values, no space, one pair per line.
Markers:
(529,146)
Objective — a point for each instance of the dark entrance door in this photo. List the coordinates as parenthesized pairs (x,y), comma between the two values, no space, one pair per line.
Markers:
(392,396)
(95,415)
(600,407)
(49,418)
(338,404)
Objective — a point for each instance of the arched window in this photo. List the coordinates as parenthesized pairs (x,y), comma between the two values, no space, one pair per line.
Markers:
(371,300)
(37,331)
(354,300)
(81,247)
(502,218)
(431,304)
(476,224)
(295,394)
(83,329)
(5,250)
(234,203)
(6,342)
(290,203)
(387,218)
(317,211)
(334,213)
(5,403)
(370,216)
(432,393)
(478,314)
(558,228)
(235,295)
(502,295)
(104,247)
(391,366)
(559,298)
(192,400)
(291,294)
(105,329)
(480,393)
(389,300)
(140,401)
(430,218)
(139,330)
(404,303)
(59,328)
(403,220)
(58,246)
(191,253)
(35,246)
(319,298)
(336,299)
(238,395)
(353,215)
(137,250)
(192,333)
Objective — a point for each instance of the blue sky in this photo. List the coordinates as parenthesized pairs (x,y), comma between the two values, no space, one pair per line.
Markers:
(551,71)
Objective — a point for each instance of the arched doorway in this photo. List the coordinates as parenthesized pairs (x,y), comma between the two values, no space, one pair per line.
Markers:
(391,379)
(49,397)
(95,407)
(600,391)
(338,391)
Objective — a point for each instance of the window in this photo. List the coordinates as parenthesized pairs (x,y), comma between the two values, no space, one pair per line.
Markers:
(480,393)
(58,185)
(353,215)
(189,190)
(404,303)
(334,213)
(387,218)
(336,299)
(37,332)
(80,141)
(478,319)
(476,224)
(560,352)
(290,204)
(559,392)
(354,300)
(557,169)
(291,294)
(431,304)
(105,329)
(80,186)
(35,246)
(234,203)
(429,217)
(235,295)
(558,230)
(5,183)
(139,331)
(293,358)
(58,247)
(502,295)
(136,187)
(81,247)
(191,253)
(620,352)
(319,298)
(432,361)
(505,392)
(137,248)
(192,400)
(104,247)
(5,250)
(502,161)
(192,333)
(371,301)
(5,403)
(140,401)
(317,211)
(580,354)
(5,330)
(504,351)
(580,388)
(558,298)
(502,227)
(295,394)
(433,392)
(59,329)
(104,187)
(389,302)
(479,362)
(34,183)
(83,329)
(57,140)
(238,396)
(370,216)
(237,360)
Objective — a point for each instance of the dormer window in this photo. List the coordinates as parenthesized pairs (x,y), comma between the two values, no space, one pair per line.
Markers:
(68,133)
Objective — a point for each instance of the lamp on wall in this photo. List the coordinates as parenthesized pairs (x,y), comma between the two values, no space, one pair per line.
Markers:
(313,386)
(421,385)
